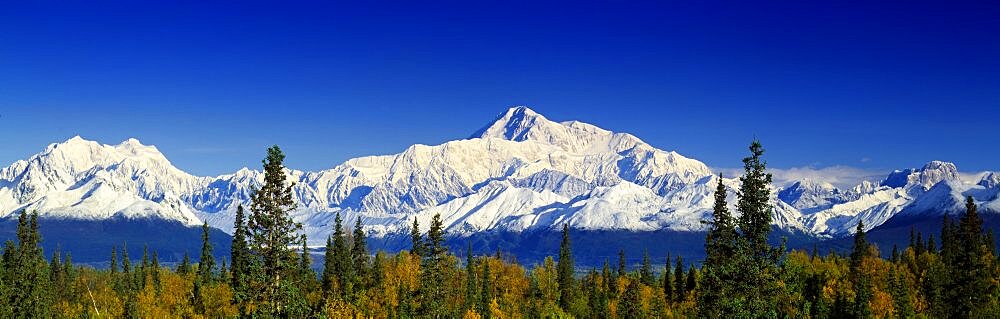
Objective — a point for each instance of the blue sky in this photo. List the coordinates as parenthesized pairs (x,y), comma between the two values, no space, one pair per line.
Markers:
(825,83)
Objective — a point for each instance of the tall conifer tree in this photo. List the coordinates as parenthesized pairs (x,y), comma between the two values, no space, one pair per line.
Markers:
(359,254)
(646,270)
(565,270)
(417,243)
(271,232)
(206,263)
(719,270)
(757,287)
(239,255)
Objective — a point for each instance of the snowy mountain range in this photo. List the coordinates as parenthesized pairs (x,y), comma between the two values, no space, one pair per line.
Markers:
(521,172)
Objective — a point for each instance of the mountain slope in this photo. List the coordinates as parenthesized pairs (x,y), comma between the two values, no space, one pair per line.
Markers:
(520,173)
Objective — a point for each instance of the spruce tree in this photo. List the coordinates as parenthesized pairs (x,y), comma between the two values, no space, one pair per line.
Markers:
(378,270)
(862,284)
(114,260)
(920,246)
(680,286)
(646,270)
(471,289)
(610,285)
(56,278)
(486,292)
(343,271)
(970,271)
(631,302)
(622,266)
(720,271)
(931,246)
(126,262)
(691,283)
(239,255)
(305,267)
(900,294)
(417,248)
(156,273)
(757,287)
(359,255)
(328,280)
(185,267)
(565,270)
(668,286)
(143,267)
(860,248)
(271,231)
(433,270)
(206,264)
(25,273)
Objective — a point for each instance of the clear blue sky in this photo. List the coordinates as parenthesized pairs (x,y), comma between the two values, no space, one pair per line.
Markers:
(869,84)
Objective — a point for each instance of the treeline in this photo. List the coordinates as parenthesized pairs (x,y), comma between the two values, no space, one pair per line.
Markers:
(270,274)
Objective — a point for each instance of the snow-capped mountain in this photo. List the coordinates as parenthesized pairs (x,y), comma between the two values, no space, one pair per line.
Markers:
(81,179)
(933,190)
(521,172)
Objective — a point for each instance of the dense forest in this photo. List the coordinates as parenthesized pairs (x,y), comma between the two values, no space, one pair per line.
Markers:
(951,274)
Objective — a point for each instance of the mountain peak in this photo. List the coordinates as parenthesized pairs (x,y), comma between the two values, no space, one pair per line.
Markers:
(513,124)
(927,176)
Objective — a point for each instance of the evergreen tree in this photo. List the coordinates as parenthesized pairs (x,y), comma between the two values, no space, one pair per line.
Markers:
(757,282)
(126,262)
(156,273)
(931,246)
(56,278)
(114,260)
(950,243)
(224,271)
(920,246)
(860,248)
(144,268)
(329,277)
(900,294)
(610,287)
(631,303)
(359,254)
(813,295)
(913,230)
(565,270)
(305,267)
(970,271)
(378,270)
(26,276)
(646,270)
(239,254)
(271,231)
(343,271)
(206,264)
(433,295)
(417,248)
(862,284)
(680,291)
(486,293)
(622,267)
(691,283)
(471,289)
(185,267)
(720,270)
(668,286)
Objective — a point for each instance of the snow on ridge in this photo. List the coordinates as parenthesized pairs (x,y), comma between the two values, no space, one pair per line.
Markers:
(520,172)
